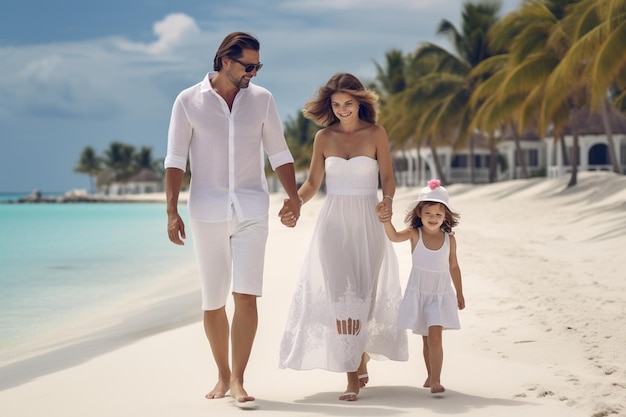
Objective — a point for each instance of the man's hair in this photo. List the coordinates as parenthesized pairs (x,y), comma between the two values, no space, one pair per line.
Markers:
(233,46)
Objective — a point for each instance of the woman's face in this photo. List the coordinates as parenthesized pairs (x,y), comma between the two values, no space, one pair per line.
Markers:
(433,216)
(345,107)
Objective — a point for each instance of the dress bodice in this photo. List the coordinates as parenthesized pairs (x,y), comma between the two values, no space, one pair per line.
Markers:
(432,259)
(354,176)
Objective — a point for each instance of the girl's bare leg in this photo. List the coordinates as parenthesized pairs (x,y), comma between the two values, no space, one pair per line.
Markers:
(426,360)
(435,354)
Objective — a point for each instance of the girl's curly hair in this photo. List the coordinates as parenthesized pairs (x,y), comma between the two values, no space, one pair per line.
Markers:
(413,216)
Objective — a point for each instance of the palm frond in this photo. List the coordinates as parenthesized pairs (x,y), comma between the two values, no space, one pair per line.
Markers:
(524,77)
(609,60)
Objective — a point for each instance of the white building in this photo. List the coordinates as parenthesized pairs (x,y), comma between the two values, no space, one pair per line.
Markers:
(144,182)
(543,157)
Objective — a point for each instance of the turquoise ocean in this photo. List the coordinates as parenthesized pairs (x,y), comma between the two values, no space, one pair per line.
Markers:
(74,271)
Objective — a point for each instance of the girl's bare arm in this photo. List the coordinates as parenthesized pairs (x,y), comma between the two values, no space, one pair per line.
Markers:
(455,272)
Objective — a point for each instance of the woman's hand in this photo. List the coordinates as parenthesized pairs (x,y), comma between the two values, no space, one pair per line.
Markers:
(383,209)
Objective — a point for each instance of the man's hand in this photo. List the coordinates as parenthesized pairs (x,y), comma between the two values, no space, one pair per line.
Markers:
(176,229)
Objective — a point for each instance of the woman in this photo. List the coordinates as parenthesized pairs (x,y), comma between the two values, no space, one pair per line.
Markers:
(345,304)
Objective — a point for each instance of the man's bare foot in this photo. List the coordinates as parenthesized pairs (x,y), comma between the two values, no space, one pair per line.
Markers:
(220,390)
(362,371)
(352,390)
(437,389)
(427,383)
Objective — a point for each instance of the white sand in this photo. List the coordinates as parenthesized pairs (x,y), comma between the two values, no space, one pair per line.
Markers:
(542,335)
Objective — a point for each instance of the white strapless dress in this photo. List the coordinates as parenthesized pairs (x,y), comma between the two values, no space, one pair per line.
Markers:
(349,280)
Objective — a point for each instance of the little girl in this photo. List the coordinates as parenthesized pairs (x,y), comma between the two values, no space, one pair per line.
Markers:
(429,304)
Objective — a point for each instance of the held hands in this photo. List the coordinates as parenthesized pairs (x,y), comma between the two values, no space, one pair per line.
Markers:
(290,212)
(176,229)
(384,211)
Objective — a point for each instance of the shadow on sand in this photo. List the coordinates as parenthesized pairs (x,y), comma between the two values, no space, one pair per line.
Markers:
(389,401)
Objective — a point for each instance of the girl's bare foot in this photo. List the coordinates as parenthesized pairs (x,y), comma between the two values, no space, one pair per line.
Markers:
(219,391)
(352,390)
(362,371)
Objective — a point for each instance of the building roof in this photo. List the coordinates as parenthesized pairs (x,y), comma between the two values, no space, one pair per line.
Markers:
(591,123)
(146,175)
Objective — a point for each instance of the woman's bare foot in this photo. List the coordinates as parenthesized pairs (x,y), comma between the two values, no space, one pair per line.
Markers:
(362,371)
(219,391)
(427,383)
(352,390)
(437,389)
(239,393)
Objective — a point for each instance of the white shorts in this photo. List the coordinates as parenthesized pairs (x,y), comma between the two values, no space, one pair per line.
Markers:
(225,249)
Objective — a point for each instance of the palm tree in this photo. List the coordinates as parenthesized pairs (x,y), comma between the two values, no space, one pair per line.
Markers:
(598,29)
(118,159)
(438,94)
(537,46)
(143,159)
(494,113)
(597,56)
(89,164)
(299,132)
(391,80)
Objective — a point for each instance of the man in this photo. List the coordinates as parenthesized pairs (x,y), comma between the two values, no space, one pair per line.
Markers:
(225,124)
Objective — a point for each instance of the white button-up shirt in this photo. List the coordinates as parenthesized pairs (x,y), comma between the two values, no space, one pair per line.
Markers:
(226,150)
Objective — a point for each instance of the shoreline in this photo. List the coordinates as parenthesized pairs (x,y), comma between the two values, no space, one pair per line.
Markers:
(83,197)
(162,316)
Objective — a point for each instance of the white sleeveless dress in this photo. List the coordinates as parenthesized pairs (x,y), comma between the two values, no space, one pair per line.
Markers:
(349,278)
(429,299)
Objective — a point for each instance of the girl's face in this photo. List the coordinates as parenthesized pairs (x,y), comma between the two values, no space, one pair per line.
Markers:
(345,107)
(433,216)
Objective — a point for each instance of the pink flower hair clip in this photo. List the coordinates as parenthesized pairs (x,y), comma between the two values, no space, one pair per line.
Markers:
(434,183)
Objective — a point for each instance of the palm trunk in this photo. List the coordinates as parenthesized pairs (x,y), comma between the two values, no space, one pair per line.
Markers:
(493,159)
(564,154)
(609,136)
(575,150)
(439,174)
(519,155)
(418,168)
(471,159)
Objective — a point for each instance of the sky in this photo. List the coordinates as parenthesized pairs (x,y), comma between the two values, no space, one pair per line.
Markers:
(75,73)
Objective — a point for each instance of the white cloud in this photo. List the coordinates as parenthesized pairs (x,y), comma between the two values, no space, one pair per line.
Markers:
(173,31)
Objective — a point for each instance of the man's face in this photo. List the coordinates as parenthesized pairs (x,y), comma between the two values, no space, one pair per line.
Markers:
(236,68)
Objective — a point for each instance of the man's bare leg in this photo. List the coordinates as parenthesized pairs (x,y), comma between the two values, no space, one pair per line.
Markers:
(217,332)
(245,321)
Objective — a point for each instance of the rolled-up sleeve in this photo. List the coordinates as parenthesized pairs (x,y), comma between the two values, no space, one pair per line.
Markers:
(280,158)
(178,137)
(274,141)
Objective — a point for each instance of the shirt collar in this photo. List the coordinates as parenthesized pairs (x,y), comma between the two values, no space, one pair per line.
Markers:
(205,85)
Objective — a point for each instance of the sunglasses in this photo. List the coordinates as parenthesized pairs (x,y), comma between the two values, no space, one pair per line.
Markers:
(248,67)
